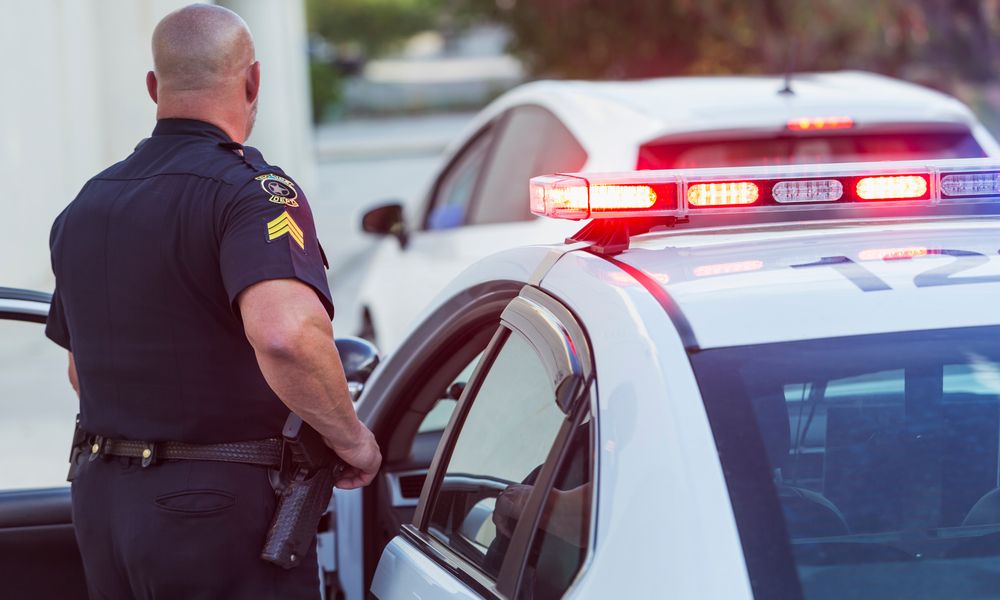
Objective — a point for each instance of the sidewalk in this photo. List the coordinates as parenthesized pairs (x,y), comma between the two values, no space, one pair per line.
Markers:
(395,137)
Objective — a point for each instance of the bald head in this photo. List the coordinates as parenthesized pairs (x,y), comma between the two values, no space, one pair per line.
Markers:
(204,68)
(201,47)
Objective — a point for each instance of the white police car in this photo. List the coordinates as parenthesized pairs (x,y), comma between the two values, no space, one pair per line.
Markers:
(767,382)
(745,383)
(476,204)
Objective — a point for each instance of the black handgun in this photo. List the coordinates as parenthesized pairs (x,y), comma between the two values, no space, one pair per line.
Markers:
(312,469)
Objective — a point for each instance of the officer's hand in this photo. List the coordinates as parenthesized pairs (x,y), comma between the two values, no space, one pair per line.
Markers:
(363,460)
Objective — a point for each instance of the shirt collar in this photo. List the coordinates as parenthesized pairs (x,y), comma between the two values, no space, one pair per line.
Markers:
(189,127)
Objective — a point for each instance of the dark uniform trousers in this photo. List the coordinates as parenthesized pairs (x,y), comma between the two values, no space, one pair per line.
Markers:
(180,529)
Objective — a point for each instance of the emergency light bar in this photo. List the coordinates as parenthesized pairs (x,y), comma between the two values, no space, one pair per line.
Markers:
(687,193)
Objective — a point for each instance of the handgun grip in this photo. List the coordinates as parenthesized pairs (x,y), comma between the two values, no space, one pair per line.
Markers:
(295,523)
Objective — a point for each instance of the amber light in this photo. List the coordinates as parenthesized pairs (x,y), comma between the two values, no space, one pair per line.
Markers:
(733,193)
(567,199)
(814,123)
(621,197)
(892,187)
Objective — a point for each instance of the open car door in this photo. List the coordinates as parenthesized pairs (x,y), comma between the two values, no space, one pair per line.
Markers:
(38,552)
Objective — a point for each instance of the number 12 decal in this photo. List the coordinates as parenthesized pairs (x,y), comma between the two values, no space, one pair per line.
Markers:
(867,281)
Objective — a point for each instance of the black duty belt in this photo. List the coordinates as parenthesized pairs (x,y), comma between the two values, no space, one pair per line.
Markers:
(259,452)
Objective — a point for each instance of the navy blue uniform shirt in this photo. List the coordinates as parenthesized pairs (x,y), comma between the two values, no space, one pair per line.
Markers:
(149,260)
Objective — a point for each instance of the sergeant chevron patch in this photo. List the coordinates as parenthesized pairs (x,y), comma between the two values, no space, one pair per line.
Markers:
(285,224)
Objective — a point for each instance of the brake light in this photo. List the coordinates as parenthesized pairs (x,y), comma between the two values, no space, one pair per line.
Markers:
(733,193)
(813,123)
(892,187)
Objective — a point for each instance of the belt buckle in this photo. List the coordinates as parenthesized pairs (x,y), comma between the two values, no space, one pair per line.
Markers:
(149,454)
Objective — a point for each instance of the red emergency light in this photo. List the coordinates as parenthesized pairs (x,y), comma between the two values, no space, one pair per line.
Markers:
(683,194)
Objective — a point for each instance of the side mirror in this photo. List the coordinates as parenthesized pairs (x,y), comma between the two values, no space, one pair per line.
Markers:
(387,219)
(359,357)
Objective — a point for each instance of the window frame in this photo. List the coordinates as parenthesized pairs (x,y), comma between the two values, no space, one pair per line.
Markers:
(502,122)
(563,348)
(491,129)
(24,305)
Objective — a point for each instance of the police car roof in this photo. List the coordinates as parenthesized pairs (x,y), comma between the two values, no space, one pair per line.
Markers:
(793,281)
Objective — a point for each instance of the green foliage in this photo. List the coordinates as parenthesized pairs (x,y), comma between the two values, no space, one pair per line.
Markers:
(372,25)
(326,87)
(638,38)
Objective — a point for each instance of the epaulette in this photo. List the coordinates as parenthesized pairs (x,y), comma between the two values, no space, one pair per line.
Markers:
(251,156)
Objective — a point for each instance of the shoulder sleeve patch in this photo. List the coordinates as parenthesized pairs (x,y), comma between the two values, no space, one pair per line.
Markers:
(278,189)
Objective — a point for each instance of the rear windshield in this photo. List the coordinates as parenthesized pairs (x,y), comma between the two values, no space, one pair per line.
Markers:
(863,467)
(809,150)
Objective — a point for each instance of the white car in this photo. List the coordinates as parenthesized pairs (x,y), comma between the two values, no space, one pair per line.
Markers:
(477,201)
(771,383)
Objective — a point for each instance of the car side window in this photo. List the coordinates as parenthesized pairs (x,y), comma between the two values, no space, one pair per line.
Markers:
(437,418)
(533,142)
(504,439)
(456,187)
(559,548)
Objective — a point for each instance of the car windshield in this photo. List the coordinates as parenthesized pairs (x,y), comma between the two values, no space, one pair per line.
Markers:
(811,149)
(863,467)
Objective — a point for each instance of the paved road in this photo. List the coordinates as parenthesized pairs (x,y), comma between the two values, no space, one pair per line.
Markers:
(362,163)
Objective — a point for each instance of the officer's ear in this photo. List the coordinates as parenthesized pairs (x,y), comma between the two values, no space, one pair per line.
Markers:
(151,85)
(253,82)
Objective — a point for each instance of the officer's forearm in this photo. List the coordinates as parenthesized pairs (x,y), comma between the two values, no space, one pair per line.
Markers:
(293,340)
(310,380)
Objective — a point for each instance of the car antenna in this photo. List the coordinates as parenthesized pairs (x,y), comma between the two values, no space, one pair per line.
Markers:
(789,70)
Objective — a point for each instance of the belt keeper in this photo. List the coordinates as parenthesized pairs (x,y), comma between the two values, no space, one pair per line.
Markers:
(149,455)
(96,448)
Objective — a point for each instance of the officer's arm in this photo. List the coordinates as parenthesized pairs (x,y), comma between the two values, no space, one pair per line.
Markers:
(291,334)
(73,380)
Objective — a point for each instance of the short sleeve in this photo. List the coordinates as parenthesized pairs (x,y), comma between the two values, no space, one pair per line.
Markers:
(56,328)
(267,232)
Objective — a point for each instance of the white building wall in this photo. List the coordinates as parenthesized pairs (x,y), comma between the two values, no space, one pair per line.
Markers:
(73,101)
(284,128)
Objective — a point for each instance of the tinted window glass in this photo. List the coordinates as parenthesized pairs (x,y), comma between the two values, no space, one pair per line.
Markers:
(809,150)
(881,452)
(38,407)
(438,417)
(560,545)
(505,438)
(534,142)
(458,184)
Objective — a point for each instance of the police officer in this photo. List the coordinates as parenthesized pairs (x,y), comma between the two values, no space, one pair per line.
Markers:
(191,292)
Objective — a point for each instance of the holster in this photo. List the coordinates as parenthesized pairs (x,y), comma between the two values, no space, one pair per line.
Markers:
(301,505)
(76,450)
(311,469)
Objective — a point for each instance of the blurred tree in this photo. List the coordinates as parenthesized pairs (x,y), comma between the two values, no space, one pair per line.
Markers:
(325,86)
(949,44)
(350,31)
(955,39)
(372,25)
